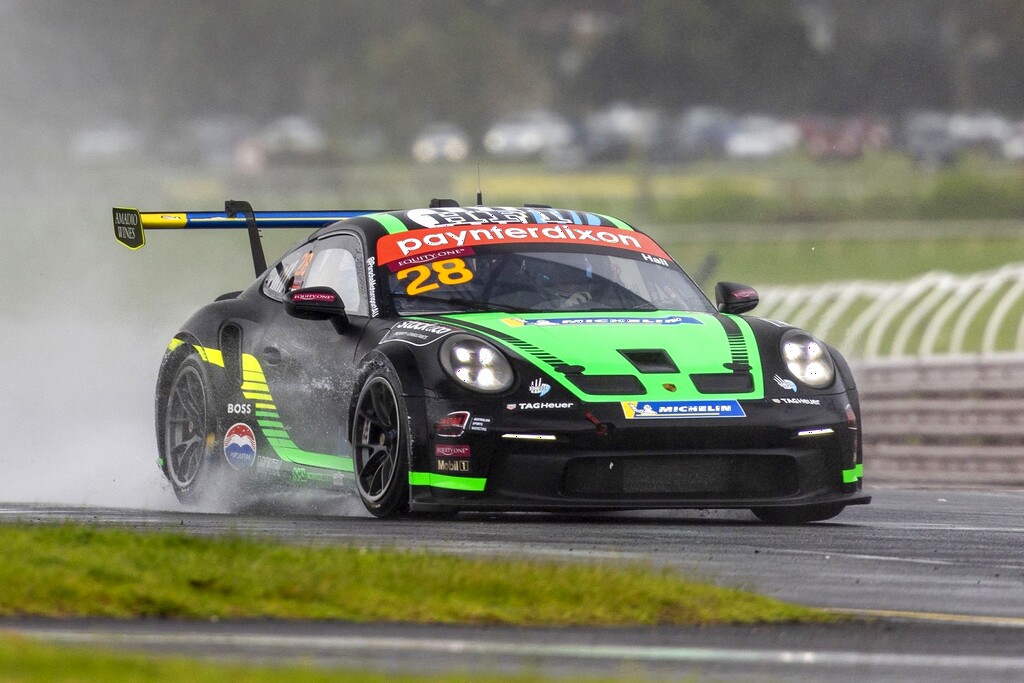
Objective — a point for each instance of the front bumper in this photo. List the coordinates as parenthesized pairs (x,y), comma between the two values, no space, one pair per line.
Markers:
(591,457)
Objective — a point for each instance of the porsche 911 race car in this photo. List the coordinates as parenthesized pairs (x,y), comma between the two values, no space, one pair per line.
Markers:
(474,358)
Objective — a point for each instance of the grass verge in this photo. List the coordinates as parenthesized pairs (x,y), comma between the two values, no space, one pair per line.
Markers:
(22,659)
(79,571)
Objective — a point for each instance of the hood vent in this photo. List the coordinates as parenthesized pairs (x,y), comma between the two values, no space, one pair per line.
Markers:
(739,381)
(650,361)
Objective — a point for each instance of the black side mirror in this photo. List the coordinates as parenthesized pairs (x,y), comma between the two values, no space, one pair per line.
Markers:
(732,297)
(317,303)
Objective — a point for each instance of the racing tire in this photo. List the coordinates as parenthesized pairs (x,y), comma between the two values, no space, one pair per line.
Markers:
(188,436)
(798,515)
(381,445)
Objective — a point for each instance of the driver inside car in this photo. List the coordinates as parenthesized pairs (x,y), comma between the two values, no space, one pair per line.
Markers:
(567,283)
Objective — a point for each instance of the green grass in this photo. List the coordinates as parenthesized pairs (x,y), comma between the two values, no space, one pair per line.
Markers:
(769,259)
(77,571)
(22,659)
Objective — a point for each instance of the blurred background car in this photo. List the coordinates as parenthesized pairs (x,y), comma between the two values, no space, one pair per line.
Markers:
(928,140)
(294,140)
(760,137)
(440,142)
(529,135)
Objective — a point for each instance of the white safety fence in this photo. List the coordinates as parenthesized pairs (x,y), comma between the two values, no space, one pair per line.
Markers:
(946,421)
(935,314)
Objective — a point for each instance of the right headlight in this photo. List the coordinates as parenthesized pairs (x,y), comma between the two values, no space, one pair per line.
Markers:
(807,359)
(476,363)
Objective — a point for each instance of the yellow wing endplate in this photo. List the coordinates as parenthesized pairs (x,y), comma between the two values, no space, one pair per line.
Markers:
(128,228)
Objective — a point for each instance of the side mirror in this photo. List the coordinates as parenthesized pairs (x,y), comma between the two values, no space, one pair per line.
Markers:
(317,303)
(732,297)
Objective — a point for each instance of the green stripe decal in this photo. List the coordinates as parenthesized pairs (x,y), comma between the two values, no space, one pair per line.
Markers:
(852,476)
(444,481)
(616,222)
(390,223)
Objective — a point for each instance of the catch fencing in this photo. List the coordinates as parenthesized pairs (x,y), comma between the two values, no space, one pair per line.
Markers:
(935,314)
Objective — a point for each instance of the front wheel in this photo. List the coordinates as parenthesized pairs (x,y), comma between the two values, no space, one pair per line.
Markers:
(380,445)
(798,515)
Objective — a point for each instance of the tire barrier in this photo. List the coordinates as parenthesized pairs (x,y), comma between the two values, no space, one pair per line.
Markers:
(945,420)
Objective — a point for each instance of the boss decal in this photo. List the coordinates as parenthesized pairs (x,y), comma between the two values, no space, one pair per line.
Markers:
(239,409)
(240,446)
(642,410)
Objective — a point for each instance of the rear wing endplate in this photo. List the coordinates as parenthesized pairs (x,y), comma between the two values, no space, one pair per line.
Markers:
(130,225)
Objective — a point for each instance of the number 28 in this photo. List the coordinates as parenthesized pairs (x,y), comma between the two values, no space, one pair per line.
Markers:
(450,272)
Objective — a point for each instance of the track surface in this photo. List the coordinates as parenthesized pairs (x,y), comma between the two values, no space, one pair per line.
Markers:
(945,569)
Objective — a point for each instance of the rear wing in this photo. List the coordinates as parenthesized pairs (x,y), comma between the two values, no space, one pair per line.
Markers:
(130,225)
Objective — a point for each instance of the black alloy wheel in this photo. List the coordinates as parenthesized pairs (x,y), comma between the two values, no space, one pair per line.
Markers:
(380,446)
(187,431)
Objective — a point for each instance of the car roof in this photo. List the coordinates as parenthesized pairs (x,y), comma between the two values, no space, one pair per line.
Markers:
(376,225)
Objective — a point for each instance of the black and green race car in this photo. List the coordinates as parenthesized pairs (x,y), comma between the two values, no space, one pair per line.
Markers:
(455,358)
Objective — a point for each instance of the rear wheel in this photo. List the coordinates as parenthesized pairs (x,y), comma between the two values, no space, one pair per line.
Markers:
(798,515)
(188,436)
(380,443)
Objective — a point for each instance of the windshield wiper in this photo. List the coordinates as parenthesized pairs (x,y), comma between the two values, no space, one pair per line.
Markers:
(467,304)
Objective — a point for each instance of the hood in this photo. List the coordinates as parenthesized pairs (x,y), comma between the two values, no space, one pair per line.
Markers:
(622,356)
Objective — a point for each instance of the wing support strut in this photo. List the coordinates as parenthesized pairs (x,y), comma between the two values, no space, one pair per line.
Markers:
(233,207)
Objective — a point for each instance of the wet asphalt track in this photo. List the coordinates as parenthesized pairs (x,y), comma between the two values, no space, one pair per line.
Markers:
(945,569)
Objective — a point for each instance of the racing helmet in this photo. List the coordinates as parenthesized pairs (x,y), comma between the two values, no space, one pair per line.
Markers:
(562,274)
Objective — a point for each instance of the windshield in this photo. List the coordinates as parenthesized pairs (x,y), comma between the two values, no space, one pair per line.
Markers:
(541,279)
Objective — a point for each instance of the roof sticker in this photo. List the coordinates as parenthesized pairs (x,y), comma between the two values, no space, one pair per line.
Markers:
(616,222)
(391,224)
(592,219)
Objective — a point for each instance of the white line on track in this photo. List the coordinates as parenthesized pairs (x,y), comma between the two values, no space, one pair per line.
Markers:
(336,644)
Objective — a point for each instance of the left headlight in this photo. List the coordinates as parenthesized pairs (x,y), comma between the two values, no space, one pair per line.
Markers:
(807,359)
(476,363)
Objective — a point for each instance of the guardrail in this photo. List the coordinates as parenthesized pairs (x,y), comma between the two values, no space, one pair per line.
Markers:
(953,420)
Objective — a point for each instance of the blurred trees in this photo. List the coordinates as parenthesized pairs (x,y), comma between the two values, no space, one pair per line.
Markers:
(397,64)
